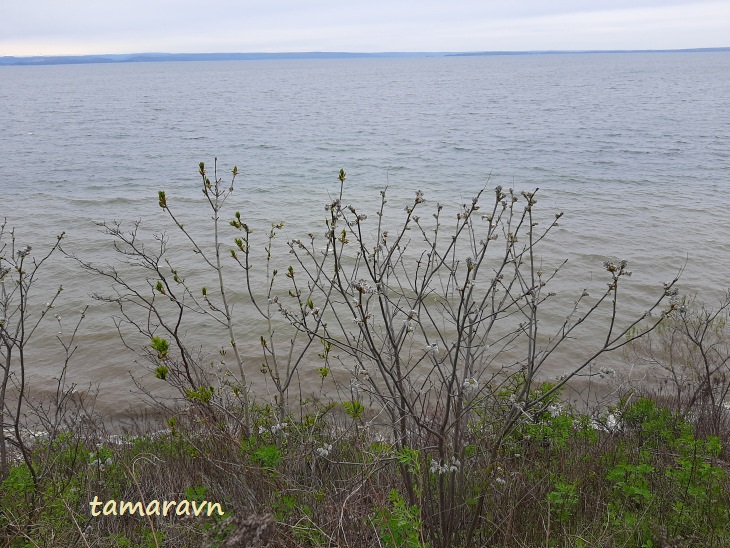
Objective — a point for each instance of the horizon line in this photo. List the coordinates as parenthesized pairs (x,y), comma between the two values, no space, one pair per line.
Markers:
(10,60)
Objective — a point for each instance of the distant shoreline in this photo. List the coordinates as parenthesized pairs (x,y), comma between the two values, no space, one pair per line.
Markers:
(182,57)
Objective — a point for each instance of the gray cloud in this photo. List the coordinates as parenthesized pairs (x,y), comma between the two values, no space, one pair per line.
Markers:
(86,26)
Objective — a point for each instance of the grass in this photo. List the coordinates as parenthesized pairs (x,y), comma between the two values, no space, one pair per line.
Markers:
(559,480)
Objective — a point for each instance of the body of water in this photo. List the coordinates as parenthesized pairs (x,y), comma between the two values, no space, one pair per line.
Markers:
(632,147)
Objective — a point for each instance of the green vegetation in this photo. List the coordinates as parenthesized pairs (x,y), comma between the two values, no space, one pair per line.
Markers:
(434,424)
(650,481)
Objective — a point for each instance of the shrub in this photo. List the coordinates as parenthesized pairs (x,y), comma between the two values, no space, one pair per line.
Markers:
(431,328)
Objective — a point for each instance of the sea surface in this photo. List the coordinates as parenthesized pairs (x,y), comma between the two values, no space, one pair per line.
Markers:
(633,148)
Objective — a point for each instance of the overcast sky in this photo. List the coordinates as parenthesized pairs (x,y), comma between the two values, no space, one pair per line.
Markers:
(55,27)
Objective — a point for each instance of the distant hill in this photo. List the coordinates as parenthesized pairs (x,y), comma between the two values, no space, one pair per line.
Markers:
(166,57)
(587,51)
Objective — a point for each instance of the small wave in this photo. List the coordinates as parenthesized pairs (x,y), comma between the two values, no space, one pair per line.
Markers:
(106,200)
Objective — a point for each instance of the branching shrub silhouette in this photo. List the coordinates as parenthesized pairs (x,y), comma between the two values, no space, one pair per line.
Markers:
(437,321)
